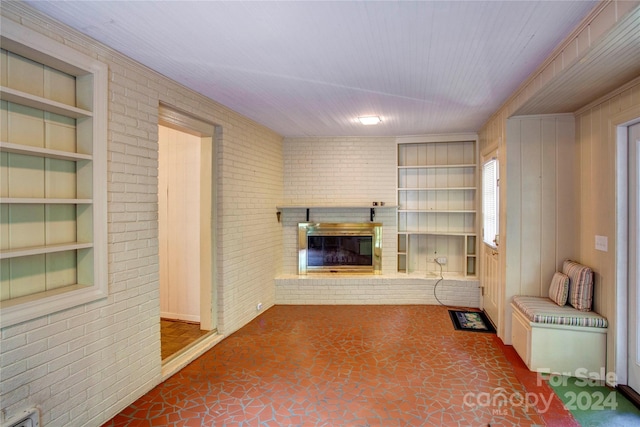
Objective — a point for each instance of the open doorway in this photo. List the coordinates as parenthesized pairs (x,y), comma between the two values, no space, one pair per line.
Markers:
(186,216)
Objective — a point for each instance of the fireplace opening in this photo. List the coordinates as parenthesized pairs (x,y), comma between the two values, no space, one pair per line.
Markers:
(339,248)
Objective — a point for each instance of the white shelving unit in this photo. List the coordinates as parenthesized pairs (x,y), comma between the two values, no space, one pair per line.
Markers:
(437,204)
(52,176)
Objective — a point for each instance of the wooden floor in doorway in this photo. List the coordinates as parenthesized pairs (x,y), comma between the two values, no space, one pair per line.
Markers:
(176,335)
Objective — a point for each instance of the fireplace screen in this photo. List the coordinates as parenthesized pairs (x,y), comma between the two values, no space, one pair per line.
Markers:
(339,247)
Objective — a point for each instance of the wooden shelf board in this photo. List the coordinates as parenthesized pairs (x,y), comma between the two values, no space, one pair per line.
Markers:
(436,211)
(38,250)
(42,152)
(46,201)
(461,165)
(37,102)
(335,207)
(437,233)
(436,188)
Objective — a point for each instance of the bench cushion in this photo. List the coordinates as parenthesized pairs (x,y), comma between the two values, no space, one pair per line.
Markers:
(580,284)
(543,310)
(559,289)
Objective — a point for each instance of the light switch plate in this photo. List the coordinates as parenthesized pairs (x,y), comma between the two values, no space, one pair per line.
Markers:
(602,243)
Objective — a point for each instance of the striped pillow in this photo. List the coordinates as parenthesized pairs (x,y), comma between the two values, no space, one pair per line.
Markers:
(580,285)
(559,289)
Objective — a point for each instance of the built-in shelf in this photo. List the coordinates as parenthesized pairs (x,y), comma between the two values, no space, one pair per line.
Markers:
(436,198)
(53,170)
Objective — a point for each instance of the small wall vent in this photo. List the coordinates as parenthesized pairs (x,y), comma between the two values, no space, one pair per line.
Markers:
(27,418)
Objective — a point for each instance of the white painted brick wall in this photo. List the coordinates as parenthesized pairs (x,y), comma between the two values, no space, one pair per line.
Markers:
(386,289)
(83,365)
(346,171)
(339,170)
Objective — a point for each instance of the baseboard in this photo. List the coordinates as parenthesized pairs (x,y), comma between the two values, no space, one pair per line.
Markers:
(630,394)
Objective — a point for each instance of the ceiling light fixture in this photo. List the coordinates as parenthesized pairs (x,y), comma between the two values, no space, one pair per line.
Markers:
(370,120)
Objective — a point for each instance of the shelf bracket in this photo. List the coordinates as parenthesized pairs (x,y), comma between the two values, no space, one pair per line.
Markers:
(372,214)
(307,214)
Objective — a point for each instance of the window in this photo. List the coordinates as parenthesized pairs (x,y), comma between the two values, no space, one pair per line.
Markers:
(490,208)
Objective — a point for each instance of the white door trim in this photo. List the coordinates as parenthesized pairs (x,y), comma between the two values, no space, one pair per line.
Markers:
(618,126)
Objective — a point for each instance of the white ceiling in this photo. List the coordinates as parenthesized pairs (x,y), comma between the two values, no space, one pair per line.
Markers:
(309,68)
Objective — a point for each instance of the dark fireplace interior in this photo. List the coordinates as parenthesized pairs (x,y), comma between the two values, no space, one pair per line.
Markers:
(328,251)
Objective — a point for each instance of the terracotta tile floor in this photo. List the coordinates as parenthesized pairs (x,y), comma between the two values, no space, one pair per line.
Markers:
(349,366)
(176,335)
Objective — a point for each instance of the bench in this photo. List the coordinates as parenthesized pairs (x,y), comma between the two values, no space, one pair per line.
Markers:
(553,337)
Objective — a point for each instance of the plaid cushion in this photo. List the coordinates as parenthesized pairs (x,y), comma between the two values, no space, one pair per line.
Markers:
(543,310)
(580,285)
(559,289)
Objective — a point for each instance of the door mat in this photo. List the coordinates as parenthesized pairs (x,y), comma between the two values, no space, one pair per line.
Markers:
(473,321)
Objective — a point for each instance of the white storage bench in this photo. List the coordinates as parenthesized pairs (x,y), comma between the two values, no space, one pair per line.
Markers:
(553,338)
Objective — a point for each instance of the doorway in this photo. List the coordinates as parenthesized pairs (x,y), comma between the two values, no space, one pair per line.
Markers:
(186,242)
(490,271)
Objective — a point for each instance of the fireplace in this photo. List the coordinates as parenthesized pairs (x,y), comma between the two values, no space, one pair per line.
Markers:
(339,248)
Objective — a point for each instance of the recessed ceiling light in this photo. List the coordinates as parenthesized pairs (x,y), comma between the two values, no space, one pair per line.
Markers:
(370,120)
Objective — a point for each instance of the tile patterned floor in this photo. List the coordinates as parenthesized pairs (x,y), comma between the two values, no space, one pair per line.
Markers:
(176,335)
(347,366)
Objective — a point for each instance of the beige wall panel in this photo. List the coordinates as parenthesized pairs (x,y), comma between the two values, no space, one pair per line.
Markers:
(60,225)
(597,174)
(85,266)
(531,177)
(5,283)
(4,226)
(84,177)
(59,86)
(27,275)
(60,132)
(60,269)
(25,125)
(567,204)
(4,174)
(26,176)
(84,219)
(4,121)
(3,67)
(60,179)
(510,215)
(548,207)
(25,75)
(26,226)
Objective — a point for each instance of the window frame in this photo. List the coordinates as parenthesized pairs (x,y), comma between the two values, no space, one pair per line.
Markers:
(491,202)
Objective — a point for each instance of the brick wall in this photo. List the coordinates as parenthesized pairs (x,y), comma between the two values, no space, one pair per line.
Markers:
(351,171)
(83,365)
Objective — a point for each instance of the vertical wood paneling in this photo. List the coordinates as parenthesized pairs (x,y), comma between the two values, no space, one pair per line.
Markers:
(536,180)
(510,214)
(567,204)
(531,176)
(548,206)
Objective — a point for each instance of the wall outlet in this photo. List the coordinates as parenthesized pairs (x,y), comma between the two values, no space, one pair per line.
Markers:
(441,260)
(259,306)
